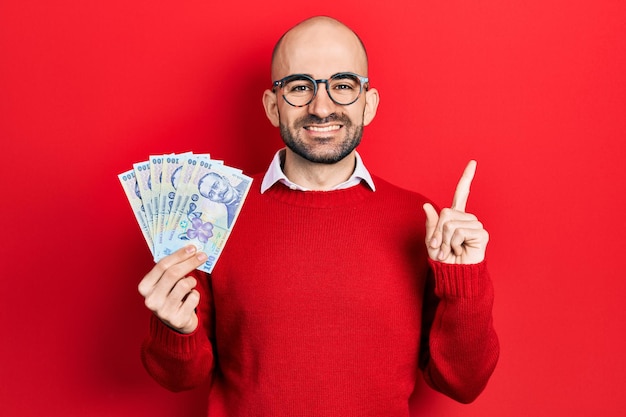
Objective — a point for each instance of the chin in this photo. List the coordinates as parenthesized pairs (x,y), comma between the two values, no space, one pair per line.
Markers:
(329,157)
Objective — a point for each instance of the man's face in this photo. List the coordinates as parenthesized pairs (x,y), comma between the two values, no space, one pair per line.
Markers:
(322,131)
(213,187)
(217,190)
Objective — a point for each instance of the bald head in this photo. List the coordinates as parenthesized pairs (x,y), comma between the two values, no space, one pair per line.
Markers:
(317,44)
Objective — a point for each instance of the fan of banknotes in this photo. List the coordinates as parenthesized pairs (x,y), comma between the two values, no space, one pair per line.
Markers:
(182,199)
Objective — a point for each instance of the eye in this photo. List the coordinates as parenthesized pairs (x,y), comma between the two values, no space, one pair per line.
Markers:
(344,83)
(299,87)
(297,84)
(343,86)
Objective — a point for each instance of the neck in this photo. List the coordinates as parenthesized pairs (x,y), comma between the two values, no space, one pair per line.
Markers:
(316,176)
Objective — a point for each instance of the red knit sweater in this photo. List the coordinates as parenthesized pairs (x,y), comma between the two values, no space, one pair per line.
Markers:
(325,304)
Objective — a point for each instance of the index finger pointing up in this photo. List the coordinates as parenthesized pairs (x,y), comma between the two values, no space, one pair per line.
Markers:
(463,187)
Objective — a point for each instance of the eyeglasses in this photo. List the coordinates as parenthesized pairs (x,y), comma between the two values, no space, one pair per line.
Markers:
(343,88)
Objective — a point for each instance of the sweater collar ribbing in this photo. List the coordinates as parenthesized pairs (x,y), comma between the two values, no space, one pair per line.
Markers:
(320,199)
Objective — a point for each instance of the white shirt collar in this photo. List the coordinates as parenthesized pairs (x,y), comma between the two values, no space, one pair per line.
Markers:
(275,174)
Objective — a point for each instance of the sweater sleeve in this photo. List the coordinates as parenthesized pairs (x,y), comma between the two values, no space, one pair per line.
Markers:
(459,347)
(179,361)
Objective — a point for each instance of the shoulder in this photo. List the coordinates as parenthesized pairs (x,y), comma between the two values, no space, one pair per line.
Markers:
(388,190)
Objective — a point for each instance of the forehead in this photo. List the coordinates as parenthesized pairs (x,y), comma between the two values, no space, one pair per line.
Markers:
(319,49)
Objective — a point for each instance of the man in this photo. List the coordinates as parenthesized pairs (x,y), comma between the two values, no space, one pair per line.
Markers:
(326,301)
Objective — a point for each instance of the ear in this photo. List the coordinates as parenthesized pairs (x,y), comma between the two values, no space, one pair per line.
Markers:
(271,107)
(371,104)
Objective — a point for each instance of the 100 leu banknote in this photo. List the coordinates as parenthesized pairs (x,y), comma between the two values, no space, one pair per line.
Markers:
(213,199)
(131,189)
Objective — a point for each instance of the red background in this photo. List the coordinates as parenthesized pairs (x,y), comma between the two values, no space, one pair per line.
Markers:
(535,90)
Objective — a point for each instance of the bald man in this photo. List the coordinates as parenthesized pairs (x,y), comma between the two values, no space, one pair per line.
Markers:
(331,296)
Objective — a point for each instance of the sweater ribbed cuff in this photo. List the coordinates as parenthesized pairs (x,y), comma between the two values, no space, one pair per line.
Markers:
(465,281)
(180,344)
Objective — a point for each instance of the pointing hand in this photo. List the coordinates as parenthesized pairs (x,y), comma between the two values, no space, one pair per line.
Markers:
(454,236)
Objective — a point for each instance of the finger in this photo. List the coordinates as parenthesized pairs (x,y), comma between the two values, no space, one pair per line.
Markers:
(432,218)
(180,290)
(173,302)
(150,280)
(454,230)
(191,302)
(450,225)
(454,245)
(449,229)
(458,240)
(172,276)
(470,242)
(184,319)
(188,309)
(459,201)
(438,238)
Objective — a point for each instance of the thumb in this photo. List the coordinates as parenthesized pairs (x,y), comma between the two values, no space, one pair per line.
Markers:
(432,218)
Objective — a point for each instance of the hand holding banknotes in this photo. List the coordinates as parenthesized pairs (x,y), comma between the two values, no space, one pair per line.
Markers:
(169,293)
(186,206)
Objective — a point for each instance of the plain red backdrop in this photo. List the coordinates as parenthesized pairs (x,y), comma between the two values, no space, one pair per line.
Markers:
(534,90)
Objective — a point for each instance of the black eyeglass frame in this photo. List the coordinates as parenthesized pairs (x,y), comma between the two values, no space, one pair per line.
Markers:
(363,84)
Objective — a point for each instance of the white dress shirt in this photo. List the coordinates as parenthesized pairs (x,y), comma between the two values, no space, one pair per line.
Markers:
(275,174)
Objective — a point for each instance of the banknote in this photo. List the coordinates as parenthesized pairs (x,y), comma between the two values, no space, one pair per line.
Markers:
(190,163)
(144,184)
(156,172)
(182,199)
(170,174)
(213,197)
(131,189)
(188,173)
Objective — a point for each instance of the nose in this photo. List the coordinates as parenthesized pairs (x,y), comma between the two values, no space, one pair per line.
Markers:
(322,105)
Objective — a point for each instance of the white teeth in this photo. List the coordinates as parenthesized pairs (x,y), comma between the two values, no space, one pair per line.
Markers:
(324,129)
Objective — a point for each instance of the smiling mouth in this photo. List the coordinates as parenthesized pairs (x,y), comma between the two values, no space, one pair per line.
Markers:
(331,128)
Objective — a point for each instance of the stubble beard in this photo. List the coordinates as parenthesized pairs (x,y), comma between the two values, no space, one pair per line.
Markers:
(295,143)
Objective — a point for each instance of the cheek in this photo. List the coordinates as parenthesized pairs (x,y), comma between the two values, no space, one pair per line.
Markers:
(356,116)
(291,116)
